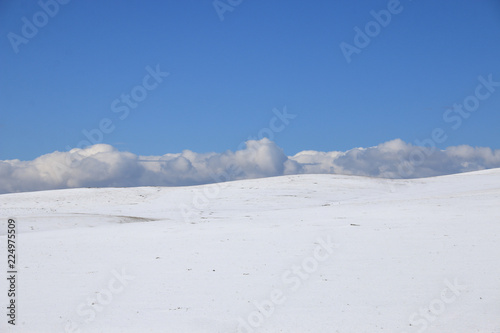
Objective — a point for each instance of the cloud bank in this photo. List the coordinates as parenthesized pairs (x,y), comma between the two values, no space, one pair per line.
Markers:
(103,165)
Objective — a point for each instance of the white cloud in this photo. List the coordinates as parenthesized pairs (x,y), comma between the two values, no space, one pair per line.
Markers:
(103,165)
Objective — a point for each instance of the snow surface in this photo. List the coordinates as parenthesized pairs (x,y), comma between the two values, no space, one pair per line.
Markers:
(205,258)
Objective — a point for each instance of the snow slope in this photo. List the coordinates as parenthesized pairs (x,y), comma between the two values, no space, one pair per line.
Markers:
(305,253)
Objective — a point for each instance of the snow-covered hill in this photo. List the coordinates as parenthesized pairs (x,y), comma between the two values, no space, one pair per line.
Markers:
(307,253)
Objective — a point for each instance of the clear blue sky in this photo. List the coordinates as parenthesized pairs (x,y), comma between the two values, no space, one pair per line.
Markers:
(227,76)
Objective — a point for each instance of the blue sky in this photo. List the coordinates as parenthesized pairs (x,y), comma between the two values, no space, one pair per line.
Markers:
(227,76)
